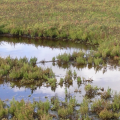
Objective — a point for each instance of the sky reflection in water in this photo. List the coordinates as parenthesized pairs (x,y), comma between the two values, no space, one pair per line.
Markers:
(111,78)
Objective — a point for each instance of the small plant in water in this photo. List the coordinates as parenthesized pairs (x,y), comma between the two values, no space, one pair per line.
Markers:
(53,59)
(12,85)
(90,90)
(84,107)
(74,73)
(61,81)
(80,60)
(33,61)
(69,72)
(79,80)
(106,94)
(98,61)
(105,114)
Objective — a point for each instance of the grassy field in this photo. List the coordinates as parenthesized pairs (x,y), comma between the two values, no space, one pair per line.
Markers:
(90,21)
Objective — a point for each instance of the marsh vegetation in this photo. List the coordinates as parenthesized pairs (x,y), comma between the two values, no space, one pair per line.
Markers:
(78,21)
(106,106)
(94,23)
(24,72)
(93,58)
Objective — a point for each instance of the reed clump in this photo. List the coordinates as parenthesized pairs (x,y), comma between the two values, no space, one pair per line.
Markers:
(84,107)
(66,110)
(90,60)
(64,57)
(68,77)
(80,58)
(25,110)
(52,82)
(105,114)
(3,109)
(25,71)
(74,74)
(116,103)
(91,90)
(106,108)
(97,61)
(106,94)
(61,81)
(79,80)
(55,102)
(53,59)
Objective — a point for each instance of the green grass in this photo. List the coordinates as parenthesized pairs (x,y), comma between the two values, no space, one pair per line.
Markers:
(26,71)
(93,22)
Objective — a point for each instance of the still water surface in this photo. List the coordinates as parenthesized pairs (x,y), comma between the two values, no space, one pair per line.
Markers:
(44,50)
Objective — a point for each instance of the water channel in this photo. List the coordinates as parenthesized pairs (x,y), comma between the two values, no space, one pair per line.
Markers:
(108,76)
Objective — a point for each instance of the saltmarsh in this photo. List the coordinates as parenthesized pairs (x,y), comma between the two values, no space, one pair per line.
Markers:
(25,71)
(97,103)
(93,58)
(93,22)
(100,108)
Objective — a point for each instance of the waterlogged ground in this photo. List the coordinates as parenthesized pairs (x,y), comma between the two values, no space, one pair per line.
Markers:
(108,76)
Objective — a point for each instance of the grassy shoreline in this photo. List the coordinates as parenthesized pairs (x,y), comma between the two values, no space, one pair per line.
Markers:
(92,22)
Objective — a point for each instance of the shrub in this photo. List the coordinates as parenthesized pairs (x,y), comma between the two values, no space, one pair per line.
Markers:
(69,72)
(62,112)
(44,106)
(97,105)
(64,57)
(97,61)
(79,79)
(3,109)
(84,107)
(116,102)
(45,117)
(74,73)
(53,59)
(74,54)
(80,60)
(90,60)
(61,81)
(33,61)
(97,54)
(90,90)
(106,94)
(105,114)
